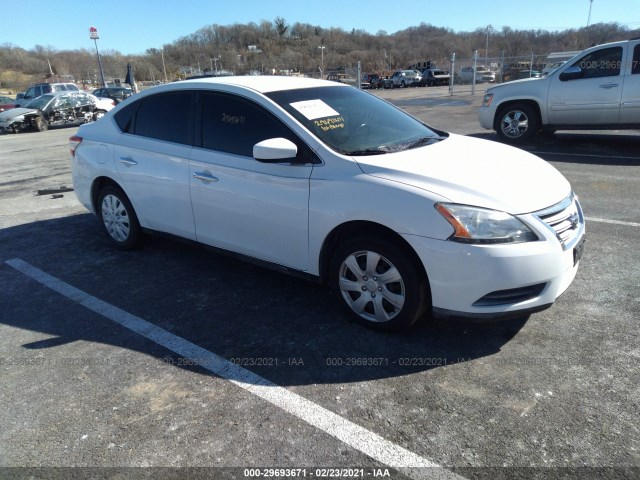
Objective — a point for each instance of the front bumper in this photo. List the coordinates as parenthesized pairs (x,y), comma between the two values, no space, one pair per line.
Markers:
(504,280)
(486,116)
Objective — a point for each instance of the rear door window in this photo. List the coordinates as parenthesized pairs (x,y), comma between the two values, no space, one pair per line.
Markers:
(166,116)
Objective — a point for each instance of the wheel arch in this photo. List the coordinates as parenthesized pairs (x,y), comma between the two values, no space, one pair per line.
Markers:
(362,227)
(98,184)
(524,101)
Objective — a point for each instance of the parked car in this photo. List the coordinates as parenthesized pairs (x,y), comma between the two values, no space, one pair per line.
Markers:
(596,90)
(384,82)
(55,110)
(404,78)
(433,77)
(39,89)
(483,75)
(518,74)
(337,77)
(6,103)
(115,93)
(334,184)
(370,80)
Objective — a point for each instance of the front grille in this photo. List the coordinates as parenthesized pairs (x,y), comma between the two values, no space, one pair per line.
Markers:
(565,219)
(513,295)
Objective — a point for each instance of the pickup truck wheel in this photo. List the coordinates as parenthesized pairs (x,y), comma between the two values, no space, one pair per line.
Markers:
(517,123)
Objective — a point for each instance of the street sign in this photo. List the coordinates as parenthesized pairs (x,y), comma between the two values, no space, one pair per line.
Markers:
(93,33)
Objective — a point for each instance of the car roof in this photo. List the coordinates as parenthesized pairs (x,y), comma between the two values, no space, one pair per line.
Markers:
(262,83)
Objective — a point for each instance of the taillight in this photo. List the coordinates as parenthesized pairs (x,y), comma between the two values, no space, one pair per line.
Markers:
(73,143)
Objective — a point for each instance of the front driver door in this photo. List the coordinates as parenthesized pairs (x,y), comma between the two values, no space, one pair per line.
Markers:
(240,204)
(593,99)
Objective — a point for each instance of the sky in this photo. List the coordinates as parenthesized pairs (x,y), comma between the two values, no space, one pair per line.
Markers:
(133,27)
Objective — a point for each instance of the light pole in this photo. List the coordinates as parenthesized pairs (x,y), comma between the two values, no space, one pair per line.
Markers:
(486,48)
(321,47)
(589,18)
(93,34)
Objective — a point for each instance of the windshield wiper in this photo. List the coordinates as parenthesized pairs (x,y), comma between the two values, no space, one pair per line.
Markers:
(368,151)
(422,141)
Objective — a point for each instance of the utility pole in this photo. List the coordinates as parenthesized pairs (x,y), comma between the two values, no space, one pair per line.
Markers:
(321,47)
(486,47)
(589,18)
(163,65)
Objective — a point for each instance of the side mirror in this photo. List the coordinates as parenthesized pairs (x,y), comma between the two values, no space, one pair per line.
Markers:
(274,150)
(571,73)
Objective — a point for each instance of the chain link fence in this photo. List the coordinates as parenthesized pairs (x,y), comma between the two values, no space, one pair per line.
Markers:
(471,74)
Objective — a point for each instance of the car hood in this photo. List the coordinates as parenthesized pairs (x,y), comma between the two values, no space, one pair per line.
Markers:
(475,172)
(15,112)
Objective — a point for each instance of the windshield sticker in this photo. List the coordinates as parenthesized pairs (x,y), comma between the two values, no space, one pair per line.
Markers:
(313,109)
(332,123)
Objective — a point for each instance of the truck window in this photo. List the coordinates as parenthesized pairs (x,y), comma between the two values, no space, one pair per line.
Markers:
(635,65)
(606,62)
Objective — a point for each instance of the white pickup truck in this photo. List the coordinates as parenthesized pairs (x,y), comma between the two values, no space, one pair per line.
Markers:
(598,89)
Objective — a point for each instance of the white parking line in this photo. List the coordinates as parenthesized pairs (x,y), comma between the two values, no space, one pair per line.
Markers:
(613,222)
(357,437)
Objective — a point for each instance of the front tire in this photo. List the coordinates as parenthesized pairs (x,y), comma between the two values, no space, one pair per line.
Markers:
(40,124)
(517,123)
(379,283)
(119,219)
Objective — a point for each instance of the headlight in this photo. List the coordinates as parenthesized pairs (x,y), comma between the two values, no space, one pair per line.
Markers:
(480,225)
(486,101)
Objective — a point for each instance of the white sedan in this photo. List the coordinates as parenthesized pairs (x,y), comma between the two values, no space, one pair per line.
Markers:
(334,184)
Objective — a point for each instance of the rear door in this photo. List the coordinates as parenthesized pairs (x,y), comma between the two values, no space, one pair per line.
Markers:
(630,110)
(152,158)
(594,99)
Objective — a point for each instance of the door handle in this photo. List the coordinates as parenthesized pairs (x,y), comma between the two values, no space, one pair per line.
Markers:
(609,85)
(128,161)
(205,177)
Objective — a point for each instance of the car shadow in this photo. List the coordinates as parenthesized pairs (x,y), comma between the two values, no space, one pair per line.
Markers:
(582,147)
(288,330)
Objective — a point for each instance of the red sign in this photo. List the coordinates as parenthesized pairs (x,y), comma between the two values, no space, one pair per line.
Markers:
(93,33)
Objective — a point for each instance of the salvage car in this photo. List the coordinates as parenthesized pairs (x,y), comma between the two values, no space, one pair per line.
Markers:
(334,184)
(55,110)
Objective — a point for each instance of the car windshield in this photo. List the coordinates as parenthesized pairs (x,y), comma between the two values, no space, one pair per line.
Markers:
(41,102)
(353,122)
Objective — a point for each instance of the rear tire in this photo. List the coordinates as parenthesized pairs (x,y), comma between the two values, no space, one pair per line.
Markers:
(119,219)
(379,283)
